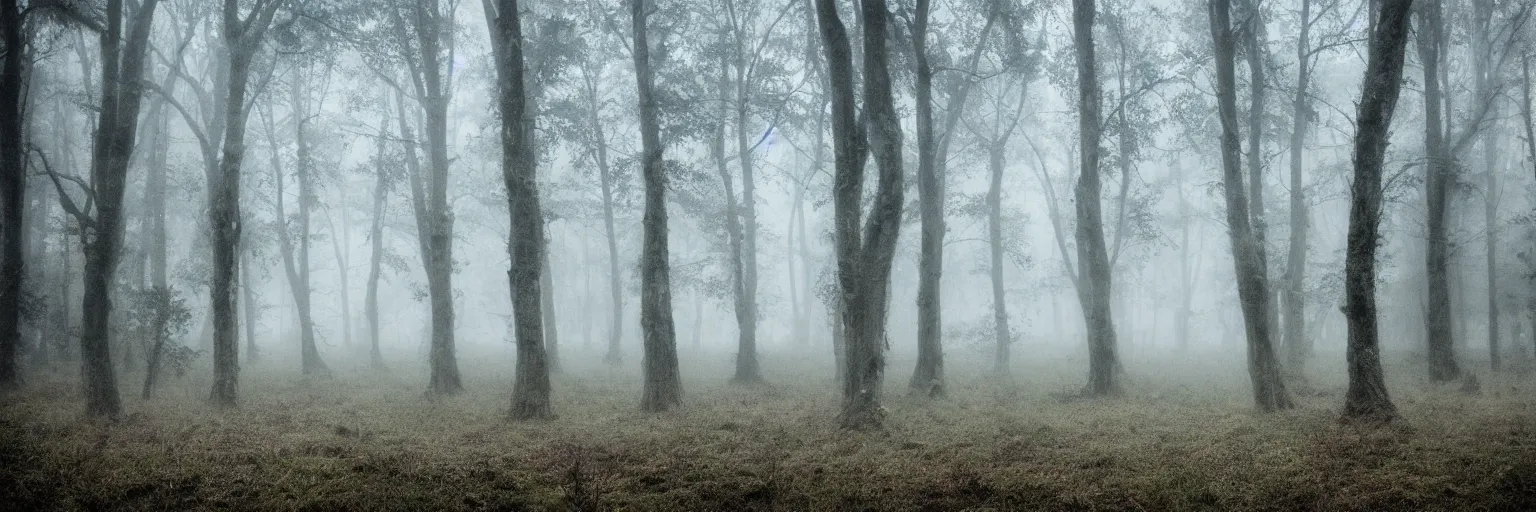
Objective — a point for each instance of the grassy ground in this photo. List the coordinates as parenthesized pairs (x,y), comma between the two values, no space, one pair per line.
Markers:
(1184,437)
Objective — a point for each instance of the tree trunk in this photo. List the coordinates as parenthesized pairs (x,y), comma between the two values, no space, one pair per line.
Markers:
(381,184)
(1186,268)
(663,387)
(1003,336)
(530,391)
(299,274)
(241,39)
(121,87)
(746,346)
(928,377)
(13,181)
(864,262)
(1366,398)
(1437,182)
(547,306)
(248,296)
(1093,258)
(614,354)
(1298,347)
(1247,252)
(341,245)
(1483,46)
(1257,86)
(748,370)
(434,220)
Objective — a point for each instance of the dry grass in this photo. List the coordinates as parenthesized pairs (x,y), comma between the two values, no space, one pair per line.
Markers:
(1185,440)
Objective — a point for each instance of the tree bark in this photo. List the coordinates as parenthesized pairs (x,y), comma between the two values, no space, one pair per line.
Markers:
(1247,252)
(531,389)
(1366,398)
(663,386)
(1437,182)
(1094,284)
(13,181)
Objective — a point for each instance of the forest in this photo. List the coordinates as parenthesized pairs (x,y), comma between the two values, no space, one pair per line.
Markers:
(767,255)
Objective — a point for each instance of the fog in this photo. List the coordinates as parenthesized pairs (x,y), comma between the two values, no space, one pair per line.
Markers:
(729,224)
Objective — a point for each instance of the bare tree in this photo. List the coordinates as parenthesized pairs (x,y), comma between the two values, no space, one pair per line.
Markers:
(1247,248)
(1366,398)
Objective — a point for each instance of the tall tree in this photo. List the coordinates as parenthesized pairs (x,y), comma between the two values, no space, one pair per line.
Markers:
(381,186)
(928,378)
(1430,39)
(1366,398)
(663,386)
(1258,86)
(590,75)
(295,240)
(1092,256)
(1297,346)
(242,37)
(122,69)
(13,181)
(424,32)
(1247,249)
(530,391)
(863,261)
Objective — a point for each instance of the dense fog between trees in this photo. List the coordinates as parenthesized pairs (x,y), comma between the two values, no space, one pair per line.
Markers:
(869,212)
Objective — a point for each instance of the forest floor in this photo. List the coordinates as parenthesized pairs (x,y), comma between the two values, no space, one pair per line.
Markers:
(1183,438)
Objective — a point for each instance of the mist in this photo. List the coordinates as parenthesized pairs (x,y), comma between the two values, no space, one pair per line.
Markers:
(767,254)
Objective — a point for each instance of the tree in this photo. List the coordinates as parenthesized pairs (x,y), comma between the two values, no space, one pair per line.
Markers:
(1092,256)
(1247,249)
(1437,181)
(598,142)
(928,377)
(420,35)
(122,68)
(242,37)
(1297,346)
(295,253)
(382,183)
(530,391)
(863,261)
(933,144)
(1366,398)
(663,387)
(13,182)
